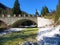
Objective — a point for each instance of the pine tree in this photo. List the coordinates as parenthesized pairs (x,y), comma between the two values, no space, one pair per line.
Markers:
(36,13)
(16,9)
(57,11)
(44,11)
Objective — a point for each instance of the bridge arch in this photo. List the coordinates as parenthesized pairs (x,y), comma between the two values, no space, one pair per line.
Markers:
(2,22)
(24,23)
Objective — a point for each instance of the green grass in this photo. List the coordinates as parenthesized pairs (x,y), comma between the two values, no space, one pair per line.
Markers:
(28,34)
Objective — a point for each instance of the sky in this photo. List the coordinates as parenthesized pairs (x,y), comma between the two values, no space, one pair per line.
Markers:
(30,6)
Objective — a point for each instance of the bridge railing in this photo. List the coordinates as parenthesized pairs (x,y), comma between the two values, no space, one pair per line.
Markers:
(17,15)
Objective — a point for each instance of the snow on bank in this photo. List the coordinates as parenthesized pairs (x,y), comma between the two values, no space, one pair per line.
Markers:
(17,29)
(11,30)
(43,22)
(47,31)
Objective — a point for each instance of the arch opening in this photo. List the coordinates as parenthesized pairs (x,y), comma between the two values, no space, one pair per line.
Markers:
(2,24)
(25,23)
(28,23)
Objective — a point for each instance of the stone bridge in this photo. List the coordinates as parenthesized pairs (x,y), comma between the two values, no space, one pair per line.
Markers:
(10,20)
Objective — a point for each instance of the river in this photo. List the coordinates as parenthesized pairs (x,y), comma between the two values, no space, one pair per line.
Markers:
(11,30)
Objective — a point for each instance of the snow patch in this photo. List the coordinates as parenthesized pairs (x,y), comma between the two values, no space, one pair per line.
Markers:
(47,31)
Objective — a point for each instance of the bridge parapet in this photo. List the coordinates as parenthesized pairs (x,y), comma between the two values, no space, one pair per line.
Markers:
(17,16)
(10,20)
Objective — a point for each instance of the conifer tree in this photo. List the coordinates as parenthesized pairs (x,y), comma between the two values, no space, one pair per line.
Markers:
(57,12)
(44,11)
(36,13)
(16,9)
